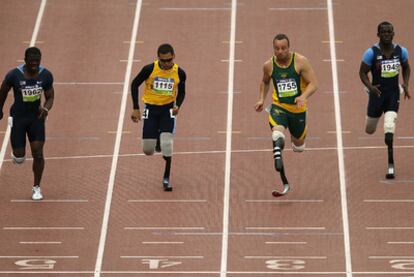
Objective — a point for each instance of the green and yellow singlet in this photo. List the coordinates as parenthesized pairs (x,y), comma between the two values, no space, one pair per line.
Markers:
(161,86)
(288,84)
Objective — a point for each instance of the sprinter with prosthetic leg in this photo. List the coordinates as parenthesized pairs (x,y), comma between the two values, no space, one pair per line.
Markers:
(164,92)
(384,61)
(294,81)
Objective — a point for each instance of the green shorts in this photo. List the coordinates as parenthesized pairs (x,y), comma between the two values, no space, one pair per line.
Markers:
(295,122)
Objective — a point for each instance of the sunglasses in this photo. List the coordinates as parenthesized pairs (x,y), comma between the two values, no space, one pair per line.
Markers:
(166,60)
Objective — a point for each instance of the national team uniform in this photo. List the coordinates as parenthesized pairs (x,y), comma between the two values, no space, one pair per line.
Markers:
(288,84)
(24,113)
(385,72)
(163,88)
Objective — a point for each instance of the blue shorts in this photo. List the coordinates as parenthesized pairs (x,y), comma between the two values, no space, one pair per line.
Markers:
(157,119)
(387,101)
(33,127)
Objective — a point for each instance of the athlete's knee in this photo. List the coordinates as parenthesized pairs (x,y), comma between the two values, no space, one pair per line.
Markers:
(18,159)
(278,139)
(37,155)
(371,124)
(390,118)
(300,147)
(148,146)
(167,142)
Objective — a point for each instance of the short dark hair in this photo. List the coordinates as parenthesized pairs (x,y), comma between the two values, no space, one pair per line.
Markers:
(32,51)
(382,24)
(280,37)
(165,49)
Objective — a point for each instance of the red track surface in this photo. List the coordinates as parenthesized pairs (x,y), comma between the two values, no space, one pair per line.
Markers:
(153,233)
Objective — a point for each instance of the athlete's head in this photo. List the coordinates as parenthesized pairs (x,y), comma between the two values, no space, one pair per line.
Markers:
(32,57)
(385,32)
(281,47)
(166,56)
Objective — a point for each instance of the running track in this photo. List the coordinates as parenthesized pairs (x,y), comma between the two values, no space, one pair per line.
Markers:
(104,212)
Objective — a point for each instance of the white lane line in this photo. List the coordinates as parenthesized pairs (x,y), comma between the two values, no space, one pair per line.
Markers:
(389,257)
(46,272)
(32,43)
(166,201)
(400,242)
(196,273)
(220,234)
(134,61)
(236,61)
(162,242)
(286,242)
(39,257)
(389,228)
(88,83)
(285,228)
(332,60)
(305,201)
(340,150)
(287,257)
(40,242)
(162,257)
(233,151)
(397,181)
(225,132)
(111,181)
(299,9)
(405,137)
(389,200)
(164,228)
(43,228)
(136,42)
(336,41)
(229,132)
(36,42)
(49,201)
(187,9)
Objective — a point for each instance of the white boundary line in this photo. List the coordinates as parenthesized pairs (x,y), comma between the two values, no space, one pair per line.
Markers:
(32,43)
(15,228)
(208,152)
(340,151)
(40,242)
(213,272)
(111,182)
(227,172)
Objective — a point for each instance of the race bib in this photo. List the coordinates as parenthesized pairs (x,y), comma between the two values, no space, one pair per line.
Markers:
(163,86)
(31,93)
(390,68)
(287,88)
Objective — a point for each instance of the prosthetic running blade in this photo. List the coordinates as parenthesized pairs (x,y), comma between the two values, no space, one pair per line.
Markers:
(286,187)
(390,172)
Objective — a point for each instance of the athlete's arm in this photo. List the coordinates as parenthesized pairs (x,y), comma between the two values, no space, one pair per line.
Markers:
(406,70)
(363,75)
(138,80)
(309,77)
(180,92)
(264,85)
(49,96)
(47,106)
(4,90)
(364,68)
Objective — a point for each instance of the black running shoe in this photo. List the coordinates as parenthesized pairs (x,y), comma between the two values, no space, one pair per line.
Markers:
(166,184)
